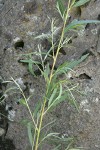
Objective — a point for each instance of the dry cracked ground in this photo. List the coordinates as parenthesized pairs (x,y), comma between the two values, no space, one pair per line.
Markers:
(22,20)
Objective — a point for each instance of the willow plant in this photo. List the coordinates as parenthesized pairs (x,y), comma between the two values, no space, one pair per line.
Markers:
(57,89)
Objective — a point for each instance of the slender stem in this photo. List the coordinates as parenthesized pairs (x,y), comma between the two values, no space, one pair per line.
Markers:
(34,139)
(69,145)
(40,125)
(29,111)
(51,75)
(61,39)
(26,103)
(52,31)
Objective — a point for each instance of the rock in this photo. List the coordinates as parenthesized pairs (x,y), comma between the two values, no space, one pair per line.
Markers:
(98,45)
(30,7)
(1,4)
(1,80)
(75,12)
(6,144)
(3,121)
(21,83)
(2,131)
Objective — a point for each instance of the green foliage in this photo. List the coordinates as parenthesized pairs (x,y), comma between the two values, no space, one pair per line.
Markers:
(61,8)
(30,135)
(77,23)
(22,101)
(46,73)
(57,89)
(80,3)
(67,66)
(30,63)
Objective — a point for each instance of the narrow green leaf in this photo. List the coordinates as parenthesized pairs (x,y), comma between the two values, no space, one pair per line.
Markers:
(46,73)
(61,8)
(73,102)
(25,61)
(52,96)
(75,63)
(60,91)
(30,67)
(80,3)
(30,64)
(50,135)
(30,61)
(67,66)
(48,124)
(11,89)
(62,98)
(57,147)
(76,23)
(60,139)
(29,128)
(73,2)
(22,101)
(43,36)
(56,102)
(37,108)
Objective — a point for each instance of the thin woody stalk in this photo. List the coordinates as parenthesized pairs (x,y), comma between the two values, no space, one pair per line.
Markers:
(61,39)
(51,75)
